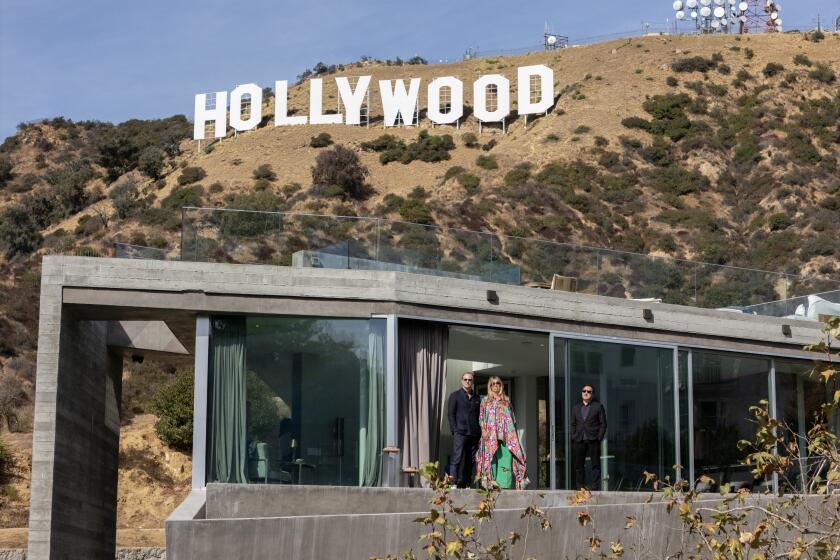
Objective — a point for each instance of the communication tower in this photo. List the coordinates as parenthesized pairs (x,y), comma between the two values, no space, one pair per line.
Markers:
(837,24)
(552,41)
(724,16)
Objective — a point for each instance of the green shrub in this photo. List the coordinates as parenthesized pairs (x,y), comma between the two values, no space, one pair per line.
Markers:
(815,36)
(779,221)
(823,73)
(414,208)
(470,182)
(747,151)
(68,186)
(452,172)
(174,409)
(749,53)
(518,175)
(262,185)
(672,81)
(264,171)
(551,137)
(321,141)
(6,460)
(6,170)
(487,162)
(669,116)
(802,60)
(124,196)
(382,143)
(821,246)
(693,64)
(428,148)
(677,180)
(772,69)
(801,149)
(743,75)
(392,202)
(340,167)
(489,145)
(120,147)
(658,153)
(717,90)
(216,187)
(724,69)
(184,196)
(636,122)
(190,175)
(151,161)
(19,234)
(469,139)
(582,129)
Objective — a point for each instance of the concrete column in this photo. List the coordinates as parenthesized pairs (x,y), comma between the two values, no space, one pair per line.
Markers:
(73,506)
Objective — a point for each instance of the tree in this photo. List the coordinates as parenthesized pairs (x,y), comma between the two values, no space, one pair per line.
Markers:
(150,162)
(174,408)
(6,169)
(340,167)
(19,234)
(124,197)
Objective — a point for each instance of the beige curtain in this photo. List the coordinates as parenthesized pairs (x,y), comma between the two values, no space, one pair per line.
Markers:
(422,387)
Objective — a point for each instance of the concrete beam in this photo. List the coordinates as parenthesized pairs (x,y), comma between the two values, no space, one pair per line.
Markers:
(144,335)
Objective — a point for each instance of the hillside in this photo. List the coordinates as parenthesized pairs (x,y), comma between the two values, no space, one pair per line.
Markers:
(723,149)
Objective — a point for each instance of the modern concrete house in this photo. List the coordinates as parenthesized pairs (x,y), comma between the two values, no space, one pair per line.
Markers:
(311,380)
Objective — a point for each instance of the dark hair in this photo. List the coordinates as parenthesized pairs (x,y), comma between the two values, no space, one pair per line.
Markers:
(588,385)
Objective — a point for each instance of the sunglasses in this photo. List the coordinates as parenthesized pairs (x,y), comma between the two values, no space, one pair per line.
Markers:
(587,391)
(495,383)
(467,380)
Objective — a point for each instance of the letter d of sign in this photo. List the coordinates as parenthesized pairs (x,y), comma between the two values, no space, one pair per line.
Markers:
(255,116)
(525,105)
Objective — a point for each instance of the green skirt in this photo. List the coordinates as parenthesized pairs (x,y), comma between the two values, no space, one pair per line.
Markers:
(502,466)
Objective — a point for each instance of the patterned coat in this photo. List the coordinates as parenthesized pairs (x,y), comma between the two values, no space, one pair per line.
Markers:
(497,423)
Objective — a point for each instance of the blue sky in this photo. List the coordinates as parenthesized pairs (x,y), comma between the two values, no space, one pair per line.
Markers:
(113,60)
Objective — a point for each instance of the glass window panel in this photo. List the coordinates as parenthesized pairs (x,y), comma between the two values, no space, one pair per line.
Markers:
(800,395)
(314,400)
(636,386)
(725,386)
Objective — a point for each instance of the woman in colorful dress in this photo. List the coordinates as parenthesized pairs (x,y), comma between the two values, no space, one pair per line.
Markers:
(500,458)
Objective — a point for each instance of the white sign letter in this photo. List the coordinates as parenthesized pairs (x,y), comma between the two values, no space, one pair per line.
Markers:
(524,104)
(316,116)
(502,87)
(398,101)
(456,100)
(255,116)
(352,100)
(281,105)
(218,114)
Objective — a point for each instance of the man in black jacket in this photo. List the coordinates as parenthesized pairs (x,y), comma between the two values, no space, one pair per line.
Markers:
(463,410)
(589,425)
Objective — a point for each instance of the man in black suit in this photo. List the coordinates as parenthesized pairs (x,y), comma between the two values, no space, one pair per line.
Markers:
(589,425)
(463,408)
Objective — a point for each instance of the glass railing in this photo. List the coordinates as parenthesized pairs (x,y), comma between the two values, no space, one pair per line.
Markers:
(310,240)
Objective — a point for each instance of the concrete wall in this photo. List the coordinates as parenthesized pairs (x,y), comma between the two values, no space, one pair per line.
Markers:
(338,532)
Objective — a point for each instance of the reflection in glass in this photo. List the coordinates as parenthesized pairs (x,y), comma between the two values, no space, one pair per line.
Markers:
(310,394)
(800,395)
(725,386)
(636,386)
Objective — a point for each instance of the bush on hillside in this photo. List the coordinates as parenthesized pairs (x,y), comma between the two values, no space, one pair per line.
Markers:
(323,140)
(470,182)
(779,221)
(672,81)
(693,64)
(470,140)
(487,162)
(6,170)
(772,69)
(802,60)
(151,161)
(261,221)
(264,172)
(518,175)
(428,148)
(19,234)
(174,409)
(190,175)
(677,180)
(390,148)
(184,196)
(68,186)
(120,146)
(414,208)
(340,168)
(124,197)
(823,73)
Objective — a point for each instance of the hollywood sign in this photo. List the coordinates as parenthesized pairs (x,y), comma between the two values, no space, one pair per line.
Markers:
(397,101)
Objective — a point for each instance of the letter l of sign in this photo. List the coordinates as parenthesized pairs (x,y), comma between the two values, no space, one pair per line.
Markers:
(316,115)
(281,105)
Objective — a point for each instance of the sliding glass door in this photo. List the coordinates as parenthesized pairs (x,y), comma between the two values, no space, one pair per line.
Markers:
(635,385)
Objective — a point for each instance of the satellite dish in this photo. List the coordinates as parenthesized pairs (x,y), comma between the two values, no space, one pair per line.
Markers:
(778,22)
(719,2)
(681,15)
(694,14)
(551,40)
(774,16)
(715,24)
(705,11)
(719,12)
(778,7)
(706,2)
(743,6)
(743,19)
(678,5)
(733,2)
(778,28)
(724,22)
(691,4)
